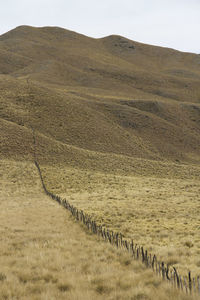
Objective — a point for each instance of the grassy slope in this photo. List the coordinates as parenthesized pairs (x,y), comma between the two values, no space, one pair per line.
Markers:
(117,128)
(101,95)
(45,255)
(162,214)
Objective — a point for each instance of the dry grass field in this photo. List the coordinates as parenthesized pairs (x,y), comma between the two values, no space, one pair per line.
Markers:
(46,255)
(117,126)
(161,214)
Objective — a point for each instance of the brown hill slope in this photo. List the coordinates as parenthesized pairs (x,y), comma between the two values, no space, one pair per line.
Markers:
(93,97)
(60,56)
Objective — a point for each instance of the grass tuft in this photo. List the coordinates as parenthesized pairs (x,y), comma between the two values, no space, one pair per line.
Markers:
(64,287)
(2,277)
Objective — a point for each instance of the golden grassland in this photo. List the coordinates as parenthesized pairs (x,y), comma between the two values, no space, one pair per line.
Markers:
(161,214)
(117,127)
(45,254)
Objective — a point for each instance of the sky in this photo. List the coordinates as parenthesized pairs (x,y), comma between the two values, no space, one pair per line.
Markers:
(167,23)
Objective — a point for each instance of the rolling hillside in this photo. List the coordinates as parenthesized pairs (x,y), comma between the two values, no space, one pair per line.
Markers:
(117,127)
(95,97)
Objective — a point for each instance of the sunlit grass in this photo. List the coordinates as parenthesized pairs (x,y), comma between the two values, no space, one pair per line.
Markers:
(160,214)
(45,254)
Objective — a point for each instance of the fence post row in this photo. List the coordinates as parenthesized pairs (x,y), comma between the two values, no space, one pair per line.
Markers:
(118,240)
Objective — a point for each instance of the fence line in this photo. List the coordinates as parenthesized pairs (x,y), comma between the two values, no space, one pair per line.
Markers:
(166,272)
(187,284)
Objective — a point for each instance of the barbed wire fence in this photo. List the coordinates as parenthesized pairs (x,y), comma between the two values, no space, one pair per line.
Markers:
(169,273)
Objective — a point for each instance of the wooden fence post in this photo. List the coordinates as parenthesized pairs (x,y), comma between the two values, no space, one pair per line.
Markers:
(190,281)
(137,253)
(177,277)
(163,270)
(142,251)
(146,258)
(153,262)
(167,272)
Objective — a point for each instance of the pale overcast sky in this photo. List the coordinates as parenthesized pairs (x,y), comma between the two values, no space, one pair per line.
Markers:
(169,23)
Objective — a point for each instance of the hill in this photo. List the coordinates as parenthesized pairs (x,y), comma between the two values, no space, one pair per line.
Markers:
(91,97)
